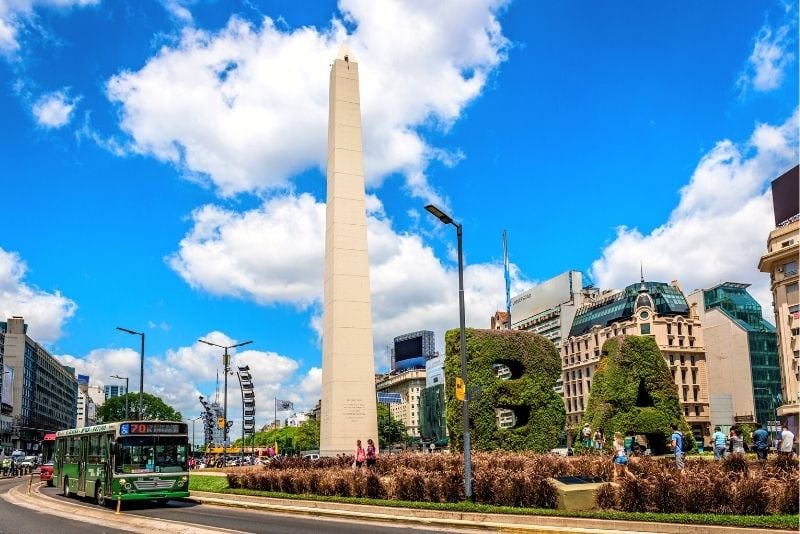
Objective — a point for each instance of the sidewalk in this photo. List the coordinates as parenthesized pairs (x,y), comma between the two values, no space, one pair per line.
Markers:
(465,520)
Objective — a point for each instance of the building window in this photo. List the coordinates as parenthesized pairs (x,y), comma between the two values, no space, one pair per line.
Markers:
(696,391)
(790,269)
(689,328)
(685,394)
(669,329)
(691,359)
(588,372)
(680,325)
(686,411)
(683,376)
(669,341)
(697,411)
(680,342)
(644,328)
(683,360)
(672,359)
(694,377)
(588,386)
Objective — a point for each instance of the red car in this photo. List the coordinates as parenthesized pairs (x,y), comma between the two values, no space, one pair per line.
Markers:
(46,473)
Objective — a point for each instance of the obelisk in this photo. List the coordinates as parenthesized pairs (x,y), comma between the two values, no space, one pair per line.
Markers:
(348,368)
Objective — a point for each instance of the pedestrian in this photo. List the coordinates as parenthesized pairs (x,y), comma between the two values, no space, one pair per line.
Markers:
(719,442)
(599,440)
(629,443)
(270,452)
(620,458)
(372,453)
(761,442)
(677,447)
(586,433)
(737,441)
(361,456)
(787,441)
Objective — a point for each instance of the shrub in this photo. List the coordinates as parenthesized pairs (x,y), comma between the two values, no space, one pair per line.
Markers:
(736,463)
(606,497)
(750,497)
(633,495)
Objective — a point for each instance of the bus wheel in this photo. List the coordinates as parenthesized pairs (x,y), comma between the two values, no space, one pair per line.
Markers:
(67,493)
(99,497)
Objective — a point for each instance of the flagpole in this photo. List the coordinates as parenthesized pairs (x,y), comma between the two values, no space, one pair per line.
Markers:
(275,422)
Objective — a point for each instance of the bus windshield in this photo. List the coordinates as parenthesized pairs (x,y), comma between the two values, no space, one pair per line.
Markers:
(151,454)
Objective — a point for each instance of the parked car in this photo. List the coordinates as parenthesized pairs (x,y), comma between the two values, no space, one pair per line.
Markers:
(28,461)
(46,473)
(562,451)
(313,456)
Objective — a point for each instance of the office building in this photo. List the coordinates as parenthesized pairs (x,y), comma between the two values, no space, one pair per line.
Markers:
(741,355)
(113,390)
(409,384)
(643,309)
(780,261)
(549,308)
(39,394)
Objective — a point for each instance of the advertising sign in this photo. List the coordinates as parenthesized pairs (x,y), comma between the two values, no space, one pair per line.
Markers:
(7,394)
(546,295)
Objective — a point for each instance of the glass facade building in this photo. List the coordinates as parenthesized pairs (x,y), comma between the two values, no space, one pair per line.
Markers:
(733,300)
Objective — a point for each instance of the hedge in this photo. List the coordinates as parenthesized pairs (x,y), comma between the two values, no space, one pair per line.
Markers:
(535,366)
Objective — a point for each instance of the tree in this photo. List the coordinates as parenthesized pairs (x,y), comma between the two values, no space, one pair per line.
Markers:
(513,371)
(390,430)
(307,436)
(153,407)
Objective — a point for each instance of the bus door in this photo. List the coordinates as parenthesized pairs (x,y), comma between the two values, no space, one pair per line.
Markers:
(83,451)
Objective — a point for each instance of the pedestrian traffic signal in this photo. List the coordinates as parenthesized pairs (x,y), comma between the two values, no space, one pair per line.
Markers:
(460,389)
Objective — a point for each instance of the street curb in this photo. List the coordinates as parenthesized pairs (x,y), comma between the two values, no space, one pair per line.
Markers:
(473,520)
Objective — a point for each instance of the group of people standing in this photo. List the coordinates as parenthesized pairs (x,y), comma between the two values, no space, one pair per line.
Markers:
(733,442)
(368,455)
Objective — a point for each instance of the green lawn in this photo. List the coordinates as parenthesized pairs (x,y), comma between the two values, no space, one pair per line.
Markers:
(219,484)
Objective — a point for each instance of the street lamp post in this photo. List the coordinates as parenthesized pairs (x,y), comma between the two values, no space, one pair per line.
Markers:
(141,367)
(194,443)
(226,361)
(125,378)
(446,219)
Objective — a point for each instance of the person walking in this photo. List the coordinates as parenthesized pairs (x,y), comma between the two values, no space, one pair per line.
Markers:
(620,458)
(761,442)
(629,443)
(586,434)
(677,447)
(737,441)
(361,455)
(599,440)
(720,443)
(372,453)
(787,441)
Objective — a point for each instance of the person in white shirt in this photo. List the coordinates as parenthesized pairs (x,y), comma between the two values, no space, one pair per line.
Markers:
(787,441)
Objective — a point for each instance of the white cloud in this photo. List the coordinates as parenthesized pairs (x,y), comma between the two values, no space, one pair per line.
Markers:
(45,313)
(248,106)
(54,110)
(718,231)
(766,66)
(182,374)
(274,255)
(15,14)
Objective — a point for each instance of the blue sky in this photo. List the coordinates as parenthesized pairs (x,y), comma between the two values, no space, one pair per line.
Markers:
(163,165)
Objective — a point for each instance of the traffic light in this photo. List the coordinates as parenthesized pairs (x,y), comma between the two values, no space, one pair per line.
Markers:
(460,389)
(220,422)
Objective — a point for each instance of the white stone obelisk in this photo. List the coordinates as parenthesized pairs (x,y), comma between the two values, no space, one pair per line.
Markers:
(348,368)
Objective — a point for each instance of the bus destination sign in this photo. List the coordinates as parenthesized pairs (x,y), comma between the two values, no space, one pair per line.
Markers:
(149,428)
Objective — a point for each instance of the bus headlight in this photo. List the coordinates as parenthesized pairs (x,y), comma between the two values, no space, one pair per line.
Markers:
(184,479)
(122,482)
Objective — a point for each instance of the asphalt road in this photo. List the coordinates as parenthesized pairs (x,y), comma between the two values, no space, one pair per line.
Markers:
(249,521)
(16,520)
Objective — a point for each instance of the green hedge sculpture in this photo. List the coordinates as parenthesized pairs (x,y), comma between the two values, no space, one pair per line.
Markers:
(535,367)
(632,390)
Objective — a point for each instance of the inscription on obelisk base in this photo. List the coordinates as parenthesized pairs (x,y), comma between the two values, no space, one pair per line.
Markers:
(348,369)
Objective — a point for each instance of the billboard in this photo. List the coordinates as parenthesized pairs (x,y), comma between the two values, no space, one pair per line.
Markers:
(7,393)
(411,350)
(546,295)
(785,195)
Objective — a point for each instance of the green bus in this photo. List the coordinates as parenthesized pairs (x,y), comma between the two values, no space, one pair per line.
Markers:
(129,460)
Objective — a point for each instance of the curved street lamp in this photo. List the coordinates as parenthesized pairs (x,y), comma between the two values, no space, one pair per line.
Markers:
(446,219)
(141,367)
